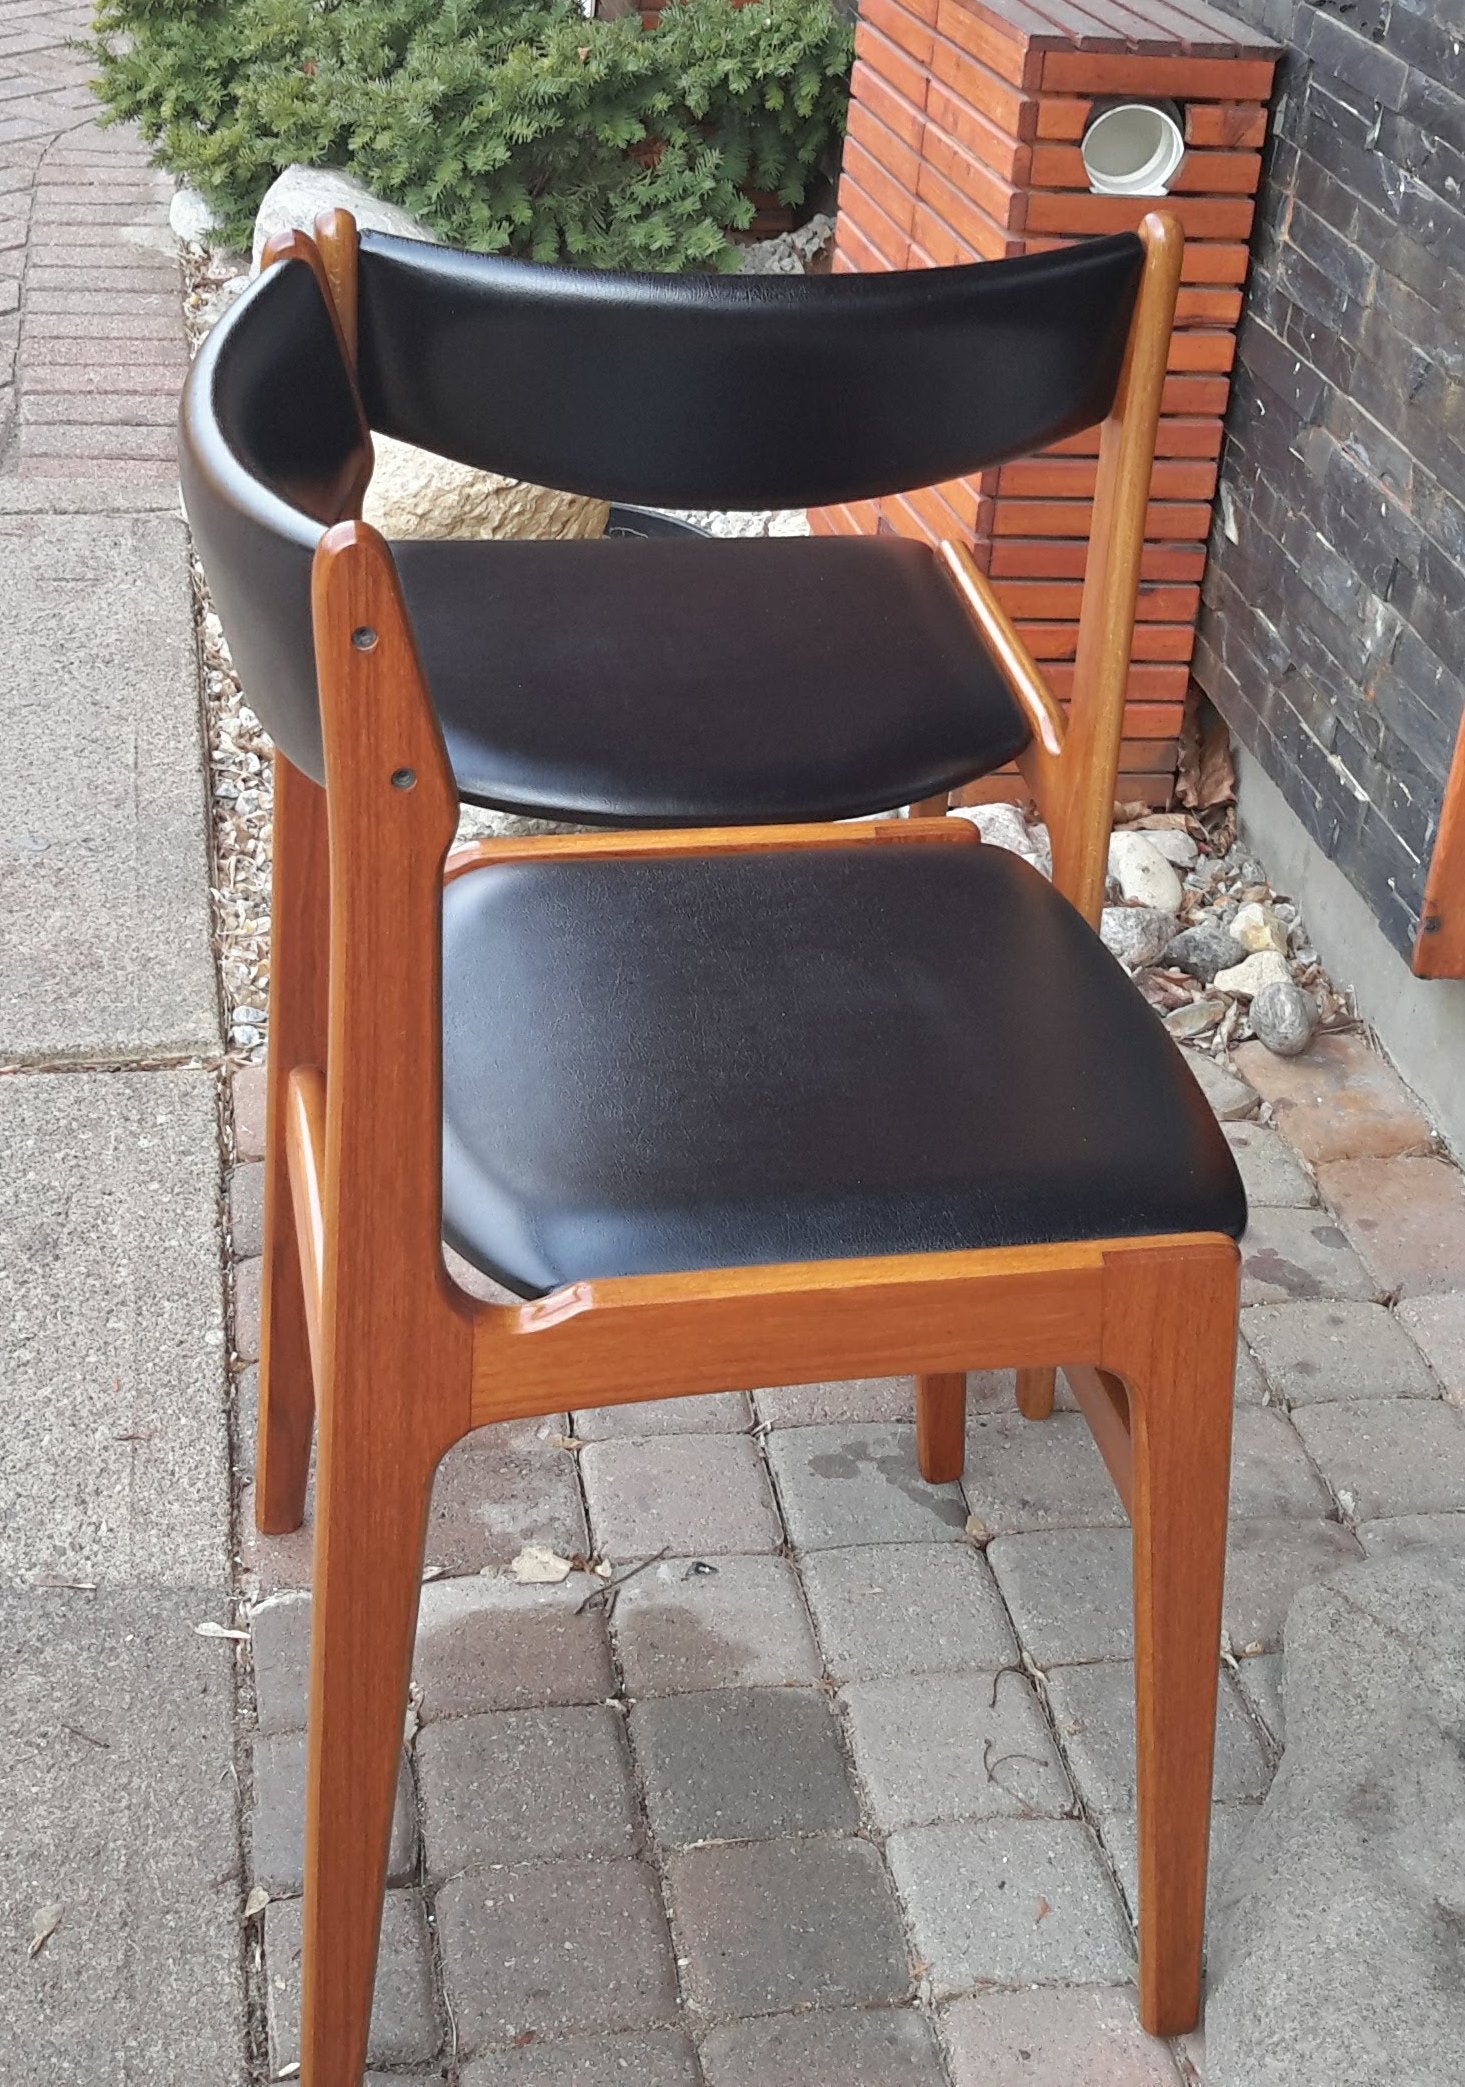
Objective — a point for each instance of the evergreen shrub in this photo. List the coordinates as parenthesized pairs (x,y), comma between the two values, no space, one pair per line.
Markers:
(510,126)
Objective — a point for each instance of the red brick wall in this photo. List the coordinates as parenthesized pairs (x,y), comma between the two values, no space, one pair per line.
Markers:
(964,145)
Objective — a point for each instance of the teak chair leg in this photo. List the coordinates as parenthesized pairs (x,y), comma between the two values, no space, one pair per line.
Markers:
(299,966)
(1180,1398)
(941,1427)
(373,1489)
(1035,1390)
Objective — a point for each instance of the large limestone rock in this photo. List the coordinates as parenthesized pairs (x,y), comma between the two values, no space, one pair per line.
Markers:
(296,198)
(1337,1943)
(415,493)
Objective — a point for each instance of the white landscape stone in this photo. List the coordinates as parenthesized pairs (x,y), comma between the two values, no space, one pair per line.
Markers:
(1143,875)
(415,493)
(1266,967)
(294,200)
(1175,846)
(1256,927)
(190,218)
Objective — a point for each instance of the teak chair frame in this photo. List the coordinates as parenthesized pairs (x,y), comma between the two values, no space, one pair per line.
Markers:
(364,1325)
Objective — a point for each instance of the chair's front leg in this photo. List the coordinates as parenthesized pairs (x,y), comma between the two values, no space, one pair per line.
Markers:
(299,955)
(1179,1343)
(373,1489)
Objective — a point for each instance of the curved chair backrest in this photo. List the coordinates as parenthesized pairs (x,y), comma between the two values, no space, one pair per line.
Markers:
(272,450)
(675,391)
(741,391)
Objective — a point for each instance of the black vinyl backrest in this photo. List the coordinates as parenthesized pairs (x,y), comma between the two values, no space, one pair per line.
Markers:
(740,391)
(271,448)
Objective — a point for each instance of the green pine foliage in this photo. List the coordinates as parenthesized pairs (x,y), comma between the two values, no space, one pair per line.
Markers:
(510,126)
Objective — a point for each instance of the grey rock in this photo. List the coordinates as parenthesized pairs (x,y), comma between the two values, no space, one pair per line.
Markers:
(1284,1016)
(191,217)
(1335,1954)
(294,200)
(1204,950)
(1136,935)
(1195,1018)
(1003,826)
(1176,847)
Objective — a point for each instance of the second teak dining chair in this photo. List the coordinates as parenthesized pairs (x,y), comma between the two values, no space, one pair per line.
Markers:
(732,1103)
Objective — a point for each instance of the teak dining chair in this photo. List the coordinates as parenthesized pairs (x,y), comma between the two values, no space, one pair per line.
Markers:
(723,1106)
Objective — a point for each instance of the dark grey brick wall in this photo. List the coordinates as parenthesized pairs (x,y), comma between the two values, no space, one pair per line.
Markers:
(1333,632)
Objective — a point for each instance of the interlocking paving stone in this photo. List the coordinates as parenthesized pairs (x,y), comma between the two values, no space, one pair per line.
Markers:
(888,1609)
(1070,1592)
(247,1210)
(523,1785)
(871,1399)
(691,1494)
(742,1764)
(1414,1533)
(1010,1902)
(1406,1217)
(1271,1473)
(712,1413)
(404,2024)
(1389,1457)
(248,1276)
(652,2058)
(278,1851)
(114,1449)
(116,1724)
(279,1631)
(247,1093)
(1260,1682)
(1022,1474)
(484,1643)
(1093,1712)
(1230,1824)
(930,1747)
(1054,2036)
(1299,1253)
(766,1926)
(502,1488)
(572,1947)
(1266,1562)
(1437,1326)
(1339,1100)
(856,1484)
(110,954)
(691,1624)
(1331,1349)
(1271,1173)
(875,2047)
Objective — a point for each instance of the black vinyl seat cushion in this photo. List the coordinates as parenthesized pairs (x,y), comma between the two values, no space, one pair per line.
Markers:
(691,681)
(793,1056)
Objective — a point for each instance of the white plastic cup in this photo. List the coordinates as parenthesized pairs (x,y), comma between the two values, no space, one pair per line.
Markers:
(1133,148)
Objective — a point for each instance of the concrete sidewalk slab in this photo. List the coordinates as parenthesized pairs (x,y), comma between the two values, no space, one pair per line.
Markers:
(116,1725)
(103,861)
(114,1451)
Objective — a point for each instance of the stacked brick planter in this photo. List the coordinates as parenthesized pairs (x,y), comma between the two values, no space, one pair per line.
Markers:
(964,135)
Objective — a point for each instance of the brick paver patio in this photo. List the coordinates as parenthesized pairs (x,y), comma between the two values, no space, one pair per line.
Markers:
(838,1791)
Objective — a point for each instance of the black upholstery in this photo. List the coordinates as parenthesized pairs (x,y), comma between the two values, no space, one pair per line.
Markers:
(646,681)
(740,391)
(791,1056)
(687,681)
(271,447)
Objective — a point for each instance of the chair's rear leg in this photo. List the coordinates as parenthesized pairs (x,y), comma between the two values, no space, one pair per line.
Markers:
(1180,1406)
(298,993)
(373,1488)
(1035,1390)
(941,1427)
